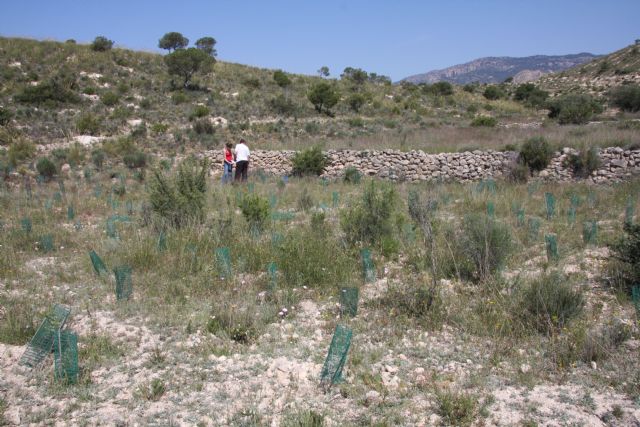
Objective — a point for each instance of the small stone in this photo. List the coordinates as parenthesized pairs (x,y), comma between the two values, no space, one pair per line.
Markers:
(594,365)
(373,397)
(524,368)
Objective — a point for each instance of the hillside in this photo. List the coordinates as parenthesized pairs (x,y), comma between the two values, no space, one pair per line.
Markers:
(122,92)
(497,69)
(598,76)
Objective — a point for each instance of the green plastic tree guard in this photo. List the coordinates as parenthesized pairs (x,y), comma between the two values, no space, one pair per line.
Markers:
(98,265)
(368,269)
(550,202)
(41,343)
(124,283)
(223,258)
(551,243)
(65,356)
(590,232)
(336,357)
(349,301)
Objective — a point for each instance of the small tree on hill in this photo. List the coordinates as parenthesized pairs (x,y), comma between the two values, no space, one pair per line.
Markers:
(281,78)
(186,62)
(323,71)
(173,41)
(356,75)
(101,44)
(207,45)
(323,97)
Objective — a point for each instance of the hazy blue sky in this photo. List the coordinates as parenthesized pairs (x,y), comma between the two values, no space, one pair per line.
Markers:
(394,38)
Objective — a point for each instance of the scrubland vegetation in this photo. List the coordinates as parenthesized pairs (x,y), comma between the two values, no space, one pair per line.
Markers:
(504,302)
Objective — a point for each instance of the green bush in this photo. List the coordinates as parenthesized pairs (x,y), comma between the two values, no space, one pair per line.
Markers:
(351,175)
(626,97)
(574,109)
(356,101)
(20,151)
(203,127)
(305,201)
(518,173)
(255,210)
(310,161)
(584,163)
(101,44)
(281,78)
(323,96)
(486,243)
(370,219)
(531,95)
(5,116)
(46,168)
(549,302)
(134,160)
(110,98)
(624,264)
(89,124)
(535,153)
(49,93)
(97,157)
(484,121)
(281,104)
(179,98)
(199,112)
(181,199)
(493,92)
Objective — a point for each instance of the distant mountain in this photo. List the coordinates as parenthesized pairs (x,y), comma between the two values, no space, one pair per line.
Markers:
(497,69)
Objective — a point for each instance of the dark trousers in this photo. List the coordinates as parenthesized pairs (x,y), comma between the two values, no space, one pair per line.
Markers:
(242,167)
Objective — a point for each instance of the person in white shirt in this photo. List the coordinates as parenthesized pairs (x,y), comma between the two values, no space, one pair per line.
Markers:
(242,160)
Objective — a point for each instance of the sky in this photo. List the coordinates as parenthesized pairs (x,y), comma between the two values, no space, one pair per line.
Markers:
(393,38)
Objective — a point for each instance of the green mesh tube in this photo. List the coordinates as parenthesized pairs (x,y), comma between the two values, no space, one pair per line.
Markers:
(337,356)
(551,244)
(349,301)
(124,284)
(65,356)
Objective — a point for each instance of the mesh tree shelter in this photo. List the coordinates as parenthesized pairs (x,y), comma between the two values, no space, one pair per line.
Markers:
(65,356)
(551,244)
(223,259)
(349,301)
(41,343)
(98,264)
(590,232)
(124,284)
(336,357)
(550,202)
(368,269)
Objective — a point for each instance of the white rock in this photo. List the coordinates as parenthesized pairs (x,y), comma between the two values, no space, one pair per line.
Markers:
(524,368)
(373,397)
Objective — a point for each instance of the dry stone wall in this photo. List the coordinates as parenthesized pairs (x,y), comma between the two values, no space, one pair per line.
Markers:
(617,164)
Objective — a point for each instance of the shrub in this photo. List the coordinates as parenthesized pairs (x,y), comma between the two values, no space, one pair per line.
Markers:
(624,265)
(310,161)
(369,220)
(101,44)
(159,128)
(203,126)
(5,116)
(89,124)
(413,301)
(180,199)
(281,78)
(584,163)
(179,98)
(574,109)
(199,112)
(484,121)
(531,95)
(255,210)
(97,157)
(356,101)
(50,92)
(536,153)
(46,168)
(323,97)
(471,88)
(485,242)
(305,201)
(549,302)
(442,88)
(626,97)
(134,160)
(307,257)
(456,408)
(110,98)
(493,92)
(20,151)
(518,173)
(351,175)
(282,105)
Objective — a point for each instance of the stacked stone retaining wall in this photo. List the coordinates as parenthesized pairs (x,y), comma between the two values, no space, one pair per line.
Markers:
(616,165)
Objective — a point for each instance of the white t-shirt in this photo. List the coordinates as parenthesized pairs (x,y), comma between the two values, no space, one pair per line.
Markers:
(242,152)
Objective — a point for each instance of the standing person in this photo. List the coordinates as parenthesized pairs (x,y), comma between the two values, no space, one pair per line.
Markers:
(242,160)
(228,163)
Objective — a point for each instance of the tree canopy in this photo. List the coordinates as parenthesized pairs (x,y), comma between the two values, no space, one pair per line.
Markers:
(173,41)
(207,45)
(186,62)
(323,97)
